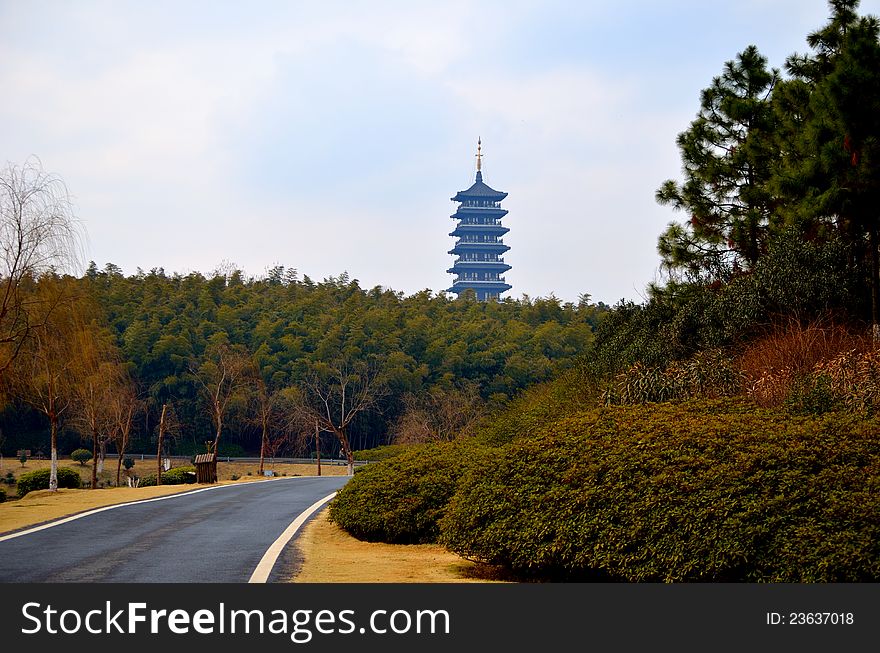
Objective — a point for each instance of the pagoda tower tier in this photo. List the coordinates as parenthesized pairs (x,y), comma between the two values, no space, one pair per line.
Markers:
(479,247)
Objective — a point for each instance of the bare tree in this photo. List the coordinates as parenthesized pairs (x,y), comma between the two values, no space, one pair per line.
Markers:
(98,375)
(440,415)
(222,378)
(168,425)
(333,395)
(38,235)
(43,374)
(124,404)
(276,417)
(267,415)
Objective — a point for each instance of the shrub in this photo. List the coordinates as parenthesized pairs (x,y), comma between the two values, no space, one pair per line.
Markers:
(82,456)
(179,475)
(377,453)
(806,279)
(2,495)
(128,463)
(39,480)
(703,491)
(9,479)
(810,394)
(708,374)
(401,499)
(174,476)
(537,405)
(853,378)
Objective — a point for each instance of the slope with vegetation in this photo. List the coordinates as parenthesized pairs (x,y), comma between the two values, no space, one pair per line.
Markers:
(724,430)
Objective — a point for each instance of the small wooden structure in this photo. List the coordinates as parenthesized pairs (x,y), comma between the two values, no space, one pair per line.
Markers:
(206,468)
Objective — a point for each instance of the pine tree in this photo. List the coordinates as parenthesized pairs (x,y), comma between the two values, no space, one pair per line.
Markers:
(829,114)
(727,156)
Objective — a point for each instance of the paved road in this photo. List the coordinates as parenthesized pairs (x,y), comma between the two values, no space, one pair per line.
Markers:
(218,535)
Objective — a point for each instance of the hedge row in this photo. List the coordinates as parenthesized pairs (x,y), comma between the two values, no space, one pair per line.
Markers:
(39,480)
(698,491)
(174,476)
(380,453)
(402,499)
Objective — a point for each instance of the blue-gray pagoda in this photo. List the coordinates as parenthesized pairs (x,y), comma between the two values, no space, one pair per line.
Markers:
(480,246)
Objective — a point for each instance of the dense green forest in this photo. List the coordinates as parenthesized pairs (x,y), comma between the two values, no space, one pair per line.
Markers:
(163,325)
(725,429)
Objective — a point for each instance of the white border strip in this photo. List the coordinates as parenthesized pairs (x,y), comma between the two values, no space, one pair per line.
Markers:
(64,520)
(267,562)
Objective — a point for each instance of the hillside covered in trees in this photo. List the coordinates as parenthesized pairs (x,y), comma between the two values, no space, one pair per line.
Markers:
(725,429)
(164,327)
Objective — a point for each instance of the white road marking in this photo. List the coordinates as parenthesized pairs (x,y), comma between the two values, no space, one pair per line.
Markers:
(64,520)
(264,568)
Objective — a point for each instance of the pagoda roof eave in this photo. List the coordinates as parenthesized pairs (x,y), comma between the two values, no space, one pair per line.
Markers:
(479,191)
(472,194)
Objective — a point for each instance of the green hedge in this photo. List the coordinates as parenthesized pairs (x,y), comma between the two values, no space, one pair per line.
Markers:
(700,491)
(39,480)
(401,499)
(174,476)
(379,453)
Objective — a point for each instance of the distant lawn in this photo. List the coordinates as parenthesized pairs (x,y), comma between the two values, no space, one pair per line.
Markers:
(225,471)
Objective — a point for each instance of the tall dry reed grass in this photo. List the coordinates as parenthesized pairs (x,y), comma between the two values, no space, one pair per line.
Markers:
(777,365)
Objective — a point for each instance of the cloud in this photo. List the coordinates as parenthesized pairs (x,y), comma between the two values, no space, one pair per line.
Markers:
(329,136)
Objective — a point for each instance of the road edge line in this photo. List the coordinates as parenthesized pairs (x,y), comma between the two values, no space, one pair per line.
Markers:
(94,511)
(267,562)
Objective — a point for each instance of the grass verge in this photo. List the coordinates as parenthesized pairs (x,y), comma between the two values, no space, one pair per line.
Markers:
(330,555)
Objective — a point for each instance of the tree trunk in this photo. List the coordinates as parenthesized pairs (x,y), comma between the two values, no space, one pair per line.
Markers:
(102,453)
(119,469)
(346,448)
(263,446)
(159,450)
(349,457)
(53,471)
(94,457)
(318,447)
(215,448)
(875,286)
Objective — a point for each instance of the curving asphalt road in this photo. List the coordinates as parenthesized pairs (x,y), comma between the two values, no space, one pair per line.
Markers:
(218,535)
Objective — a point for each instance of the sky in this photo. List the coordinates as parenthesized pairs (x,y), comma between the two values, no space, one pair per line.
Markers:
(329,136)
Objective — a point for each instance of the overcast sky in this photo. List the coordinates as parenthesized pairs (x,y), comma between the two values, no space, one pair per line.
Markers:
(329,136)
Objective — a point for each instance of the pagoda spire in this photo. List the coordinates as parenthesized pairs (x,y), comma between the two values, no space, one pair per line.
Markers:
(479,154)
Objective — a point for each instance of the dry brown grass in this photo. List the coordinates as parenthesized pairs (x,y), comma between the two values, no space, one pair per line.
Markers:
(330,555)
(42,506)
(225,471)
(790,351)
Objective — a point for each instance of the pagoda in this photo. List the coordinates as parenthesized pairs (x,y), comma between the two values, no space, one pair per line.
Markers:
(479,247)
